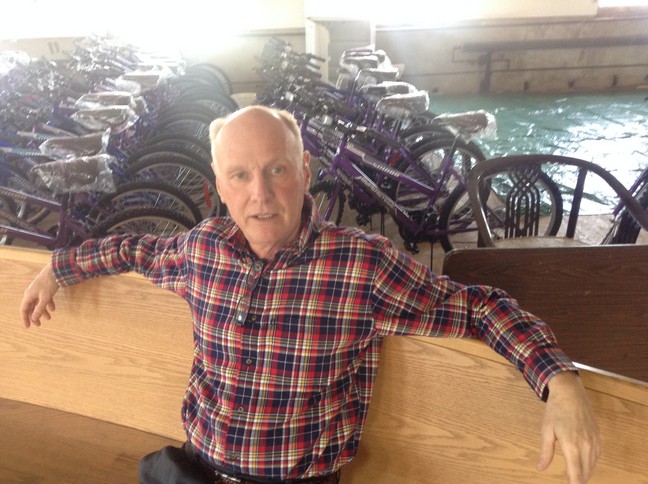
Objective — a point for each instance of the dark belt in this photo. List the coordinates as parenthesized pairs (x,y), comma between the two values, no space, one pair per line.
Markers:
(222,476)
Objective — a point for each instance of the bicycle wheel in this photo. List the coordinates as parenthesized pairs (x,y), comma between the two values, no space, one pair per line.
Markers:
(428,168)
(142,194)
(463,156)
(457,221)
(178,143)
(203,93)
(191,108)
(192,177)
(192,128)
(154,221)
(6,206)
(322,193)
(415,135)
(627,230)
(164,119)
(17,178)
(213,73)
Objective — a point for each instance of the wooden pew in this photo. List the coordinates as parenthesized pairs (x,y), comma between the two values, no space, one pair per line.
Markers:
(85,396)
(595,298)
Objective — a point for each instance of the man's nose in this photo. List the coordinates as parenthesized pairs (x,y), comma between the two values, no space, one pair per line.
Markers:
(262,188)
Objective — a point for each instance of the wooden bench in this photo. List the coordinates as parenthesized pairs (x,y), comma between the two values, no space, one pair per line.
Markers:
(595,298)
(85,396)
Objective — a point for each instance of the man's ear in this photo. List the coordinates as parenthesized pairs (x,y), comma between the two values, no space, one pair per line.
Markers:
(213,167)
(307,171)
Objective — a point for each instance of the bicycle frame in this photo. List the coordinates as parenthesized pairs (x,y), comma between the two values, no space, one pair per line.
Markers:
(346,169)
(67,223)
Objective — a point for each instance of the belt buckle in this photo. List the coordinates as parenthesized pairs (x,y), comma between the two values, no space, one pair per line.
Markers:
(226,477)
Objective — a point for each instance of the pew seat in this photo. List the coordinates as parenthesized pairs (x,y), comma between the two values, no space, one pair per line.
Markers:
(84,397)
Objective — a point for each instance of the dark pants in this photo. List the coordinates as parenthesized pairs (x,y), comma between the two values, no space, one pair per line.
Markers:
(173,465)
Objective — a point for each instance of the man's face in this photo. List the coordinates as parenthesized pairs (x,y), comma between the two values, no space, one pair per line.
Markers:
(261,176)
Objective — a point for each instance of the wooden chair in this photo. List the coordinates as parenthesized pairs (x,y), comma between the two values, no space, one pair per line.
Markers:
(545,200)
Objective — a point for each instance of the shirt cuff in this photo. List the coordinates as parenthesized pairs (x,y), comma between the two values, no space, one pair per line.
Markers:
(542,365)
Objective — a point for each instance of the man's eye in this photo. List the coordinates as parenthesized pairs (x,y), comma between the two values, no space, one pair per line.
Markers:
(278,170)
(239,176)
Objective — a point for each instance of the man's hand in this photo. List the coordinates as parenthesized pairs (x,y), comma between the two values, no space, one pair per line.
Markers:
(569,419)
(38,299)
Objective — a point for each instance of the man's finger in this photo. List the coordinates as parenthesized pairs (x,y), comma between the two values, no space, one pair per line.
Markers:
(547,449)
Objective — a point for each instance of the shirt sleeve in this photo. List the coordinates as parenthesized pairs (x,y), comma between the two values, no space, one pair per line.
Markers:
(411,300)
(158,259)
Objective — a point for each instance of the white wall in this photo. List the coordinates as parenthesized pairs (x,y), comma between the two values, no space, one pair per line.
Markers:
(434,12)
(232,35)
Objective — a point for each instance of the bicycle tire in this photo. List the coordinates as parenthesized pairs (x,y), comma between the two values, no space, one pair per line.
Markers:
(141,194)
(154,221)
(201,93)
(415,134)
(469,153)
(186,145)
(212,72)
(322,192)
(627,230)
(190,108)
(427,169)
(456,214)
(8,205)
(194,178)
(430,157)
(17,178)
(185,127)
(168,118)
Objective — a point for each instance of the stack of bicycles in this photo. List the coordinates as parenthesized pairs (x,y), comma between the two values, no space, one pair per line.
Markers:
(381,151)
(111,141)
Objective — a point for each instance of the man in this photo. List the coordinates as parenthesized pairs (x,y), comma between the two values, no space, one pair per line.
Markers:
(288,315)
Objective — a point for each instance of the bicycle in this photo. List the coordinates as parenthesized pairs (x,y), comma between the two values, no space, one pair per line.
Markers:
(71,225)
(17,163)
(413,193)
(625,229)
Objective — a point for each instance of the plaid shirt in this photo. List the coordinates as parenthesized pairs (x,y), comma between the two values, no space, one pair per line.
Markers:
(283,390)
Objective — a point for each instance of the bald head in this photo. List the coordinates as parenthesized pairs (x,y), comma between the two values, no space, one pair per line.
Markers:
(240,127)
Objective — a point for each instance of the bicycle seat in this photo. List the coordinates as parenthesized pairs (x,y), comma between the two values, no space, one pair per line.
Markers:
(70,146)
(376,76)
(387,88)
(360,61)
(115,118)
(404,105)
(146,79)
(468,124)
(76,175)
(107,98)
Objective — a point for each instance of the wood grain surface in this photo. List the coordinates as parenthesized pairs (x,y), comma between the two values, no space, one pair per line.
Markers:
(85,396)
(594,298)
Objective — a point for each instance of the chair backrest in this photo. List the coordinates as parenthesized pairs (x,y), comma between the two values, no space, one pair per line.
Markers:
(546,196)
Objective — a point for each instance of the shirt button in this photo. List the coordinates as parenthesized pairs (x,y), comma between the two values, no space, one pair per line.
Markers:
(253,317)
(241,409)
(249,361)
(234,456)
